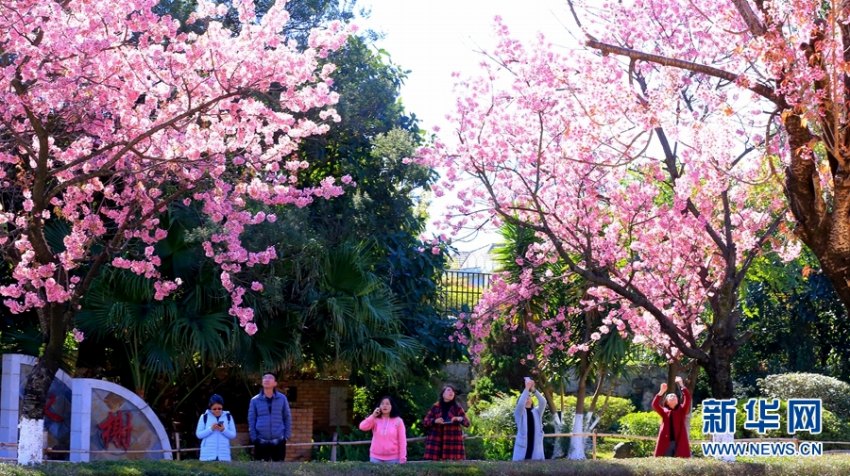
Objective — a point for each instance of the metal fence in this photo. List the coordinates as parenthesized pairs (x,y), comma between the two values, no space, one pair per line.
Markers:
(461,290)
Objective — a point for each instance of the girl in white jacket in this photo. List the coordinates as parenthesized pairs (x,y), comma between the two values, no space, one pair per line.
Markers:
(215,430)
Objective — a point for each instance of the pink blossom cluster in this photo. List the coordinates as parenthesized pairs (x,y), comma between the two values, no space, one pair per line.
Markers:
(779,47)
(434,245)
(571,145)
(114,114)
(507,302)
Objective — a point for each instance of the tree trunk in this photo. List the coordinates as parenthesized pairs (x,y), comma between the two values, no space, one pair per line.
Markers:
(558,424)
(724,340)
(719,371)
(31,439)
(823,227)
(719,368)
(672,372)
(724,343)
(577,442)
(557,416)
(829,245)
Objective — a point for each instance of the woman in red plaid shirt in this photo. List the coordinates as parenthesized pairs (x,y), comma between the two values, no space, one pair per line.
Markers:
(444,440)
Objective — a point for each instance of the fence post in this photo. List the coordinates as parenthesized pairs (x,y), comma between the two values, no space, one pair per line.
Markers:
(594,444)
(333,449)
(177,444)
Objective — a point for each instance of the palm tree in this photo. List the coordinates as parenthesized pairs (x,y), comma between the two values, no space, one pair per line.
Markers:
(162,338)
(355,320)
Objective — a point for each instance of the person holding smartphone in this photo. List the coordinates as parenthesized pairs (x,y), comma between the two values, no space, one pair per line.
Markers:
(389,439)
(215,430)
(443,424)
(528,443)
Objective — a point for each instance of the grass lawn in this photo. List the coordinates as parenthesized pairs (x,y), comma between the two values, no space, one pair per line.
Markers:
(823,465)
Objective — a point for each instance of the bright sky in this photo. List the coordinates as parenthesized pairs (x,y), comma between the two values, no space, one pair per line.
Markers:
(434,38)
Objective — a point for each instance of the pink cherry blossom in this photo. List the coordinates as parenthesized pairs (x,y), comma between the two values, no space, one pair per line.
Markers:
(645,200)
(150,116)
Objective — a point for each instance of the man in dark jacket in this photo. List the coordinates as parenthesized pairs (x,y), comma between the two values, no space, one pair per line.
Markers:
(269,422)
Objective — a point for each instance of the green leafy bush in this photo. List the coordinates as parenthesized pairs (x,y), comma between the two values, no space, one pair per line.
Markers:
(345,452)
(832,428)
(494,421)
(641,424)
(611,413)
(834,393)
(648,424)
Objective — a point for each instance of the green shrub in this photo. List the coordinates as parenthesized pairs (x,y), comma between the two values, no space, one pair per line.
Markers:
(834,393)
(648,424)
(610,415)
(493,420)
(346,452)
(641,424)
(832,428)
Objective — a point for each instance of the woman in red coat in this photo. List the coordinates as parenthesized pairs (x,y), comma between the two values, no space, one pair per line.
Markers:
(444,438)
(673,434)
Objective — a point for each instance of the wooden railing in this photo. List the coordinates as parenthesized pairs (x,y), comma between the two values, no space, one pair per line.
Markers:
(334,444)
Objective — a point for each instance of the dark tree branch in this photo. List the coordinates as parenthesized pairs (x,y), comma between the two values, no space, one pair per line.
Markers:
(759,89)
(750,18)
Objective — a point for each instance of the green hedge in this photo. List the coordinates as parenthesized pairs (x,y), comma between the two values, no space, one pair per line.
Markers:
(834,393)
(833,428)
(820,466)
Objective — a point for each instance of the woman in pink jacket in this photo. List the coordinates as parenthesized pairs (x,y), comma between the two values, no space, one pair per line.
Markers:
(389,440)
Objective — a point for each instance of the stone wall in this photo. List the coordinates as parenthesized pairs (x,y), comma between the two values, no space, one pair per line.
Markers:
(642,385)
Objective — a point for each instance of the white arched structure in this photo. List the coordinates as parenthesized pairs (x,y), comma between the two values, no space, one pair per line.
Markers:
(95,419)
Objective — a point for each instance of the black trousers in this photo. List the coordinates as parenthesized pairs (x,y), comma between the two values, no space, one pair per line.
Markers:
(266,452)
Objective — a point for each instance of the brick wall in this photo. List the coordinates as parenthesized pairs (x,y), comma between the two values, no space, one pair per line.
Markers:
(316,396)
(302,432)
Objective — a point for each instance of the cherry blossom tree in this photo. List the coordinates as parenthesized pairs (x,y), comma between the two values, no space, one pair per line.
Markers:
(110,115)
(641,186)
(535,313)
(789,59)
